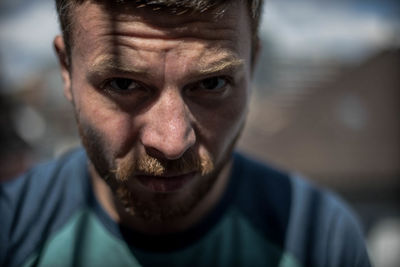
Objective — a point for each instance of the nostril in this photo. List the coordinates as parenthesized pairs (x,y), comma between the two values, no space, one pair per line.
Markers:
(155,153)
(168,146)
(165,154)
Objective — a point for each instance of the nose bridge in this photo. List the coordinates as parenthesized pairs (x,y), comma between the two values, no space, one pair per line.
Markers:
(173,120)
(168,129)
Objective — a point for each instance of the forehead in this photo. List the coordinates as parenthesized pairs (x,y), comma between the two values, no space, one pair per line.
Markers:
(159,44)
(226,22)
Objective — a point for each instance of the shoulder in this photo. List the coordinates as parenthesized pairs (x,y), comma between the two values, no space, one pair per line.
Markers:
(303,219)
(38,202)
(44,181)
(332,234)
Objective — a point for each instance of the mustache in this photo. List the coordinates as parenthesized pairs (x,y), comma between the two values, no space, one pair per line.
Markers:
(122,169)
(148,165)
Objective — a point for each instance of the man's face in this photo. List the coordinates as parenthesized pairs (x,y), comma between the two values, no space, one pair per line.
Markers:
(160,100)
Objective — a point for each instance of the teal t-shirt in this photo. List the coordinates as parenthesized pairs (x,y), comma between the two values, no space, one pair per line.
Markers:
(50,217)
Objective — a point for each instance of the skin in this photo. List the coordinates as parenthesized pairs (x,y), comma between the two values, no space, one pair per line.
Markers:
(188,89)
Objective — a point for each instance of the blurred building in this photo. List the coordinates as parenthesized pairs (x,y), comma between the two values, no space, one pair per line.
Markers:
(343,133)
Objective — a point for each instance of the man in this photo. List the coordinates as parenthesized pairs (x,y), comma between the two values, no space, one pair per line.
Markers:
(160,91)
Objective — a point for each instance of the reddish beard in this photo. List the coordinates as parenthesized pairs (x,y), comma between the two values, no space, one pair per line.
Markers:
(119,175)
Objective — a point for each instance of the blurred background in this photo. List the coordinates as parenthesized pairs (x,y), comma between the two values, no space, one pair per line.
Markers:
(326,101)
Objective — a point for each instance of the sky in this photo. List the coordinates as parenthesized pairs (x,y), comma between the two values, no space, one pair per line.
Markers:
(345,30)
(26,40)
(307,29)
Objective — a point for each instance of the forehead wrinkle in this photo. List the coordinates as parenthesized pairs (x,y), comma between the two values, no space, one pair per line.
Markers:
(200,31)
(164,25)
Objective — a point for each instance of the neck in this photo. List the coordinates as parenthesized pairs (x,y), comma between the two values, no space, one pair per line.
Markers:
(117,212)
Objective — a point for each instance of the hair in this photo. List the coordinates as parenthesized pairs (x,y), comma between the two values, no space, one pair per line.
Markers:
(64,10)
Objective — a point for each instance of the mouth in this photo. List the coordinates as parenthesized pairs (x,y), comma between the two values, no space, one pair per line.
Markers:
(165,184)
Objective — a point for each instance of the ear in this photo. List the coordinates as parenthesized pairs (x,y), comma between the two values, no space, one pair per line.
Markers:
(59,47)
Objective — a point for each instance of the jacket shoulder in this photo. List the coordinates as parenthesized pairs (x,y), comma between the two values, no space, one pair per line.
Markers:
(36,204)
(310,222)
(323,229)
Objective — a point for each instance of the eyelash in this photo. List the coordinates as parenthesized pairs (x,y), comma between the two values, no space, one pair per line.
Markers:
(109,89)
(105,86)
(229,81)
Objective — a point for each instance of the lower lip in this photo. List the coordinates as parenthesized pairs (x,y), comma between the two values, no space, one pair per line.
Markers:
(165,184)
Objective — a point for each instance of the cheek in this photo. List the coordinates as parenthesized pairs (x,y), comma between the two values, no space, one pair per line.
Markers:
(116,130)
(114,125)
(232,119)
(221,126)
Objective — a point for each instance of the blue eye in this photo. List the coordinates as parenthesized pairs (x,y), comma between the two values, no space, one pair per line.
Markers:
(213,84)
(123,84)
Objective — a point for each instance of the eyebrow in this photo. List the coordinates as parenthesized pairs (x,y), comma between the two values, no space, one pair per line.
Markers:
(109,64)
(228,64)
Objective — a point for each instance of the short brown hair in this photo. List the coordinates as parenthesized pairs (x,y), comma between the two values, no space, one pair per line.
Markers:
(64,8)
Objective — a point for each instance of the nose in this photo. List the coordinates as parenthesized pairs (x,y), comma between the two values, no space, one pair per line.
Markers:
(168,132)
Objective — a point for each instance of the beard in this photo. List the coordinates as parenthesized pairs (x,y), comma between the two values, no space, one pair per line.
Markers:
(158,207)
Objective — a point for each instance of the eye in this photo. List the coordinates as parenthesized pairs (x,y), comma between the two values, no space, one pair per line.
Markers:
(213,83)
(123,85)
